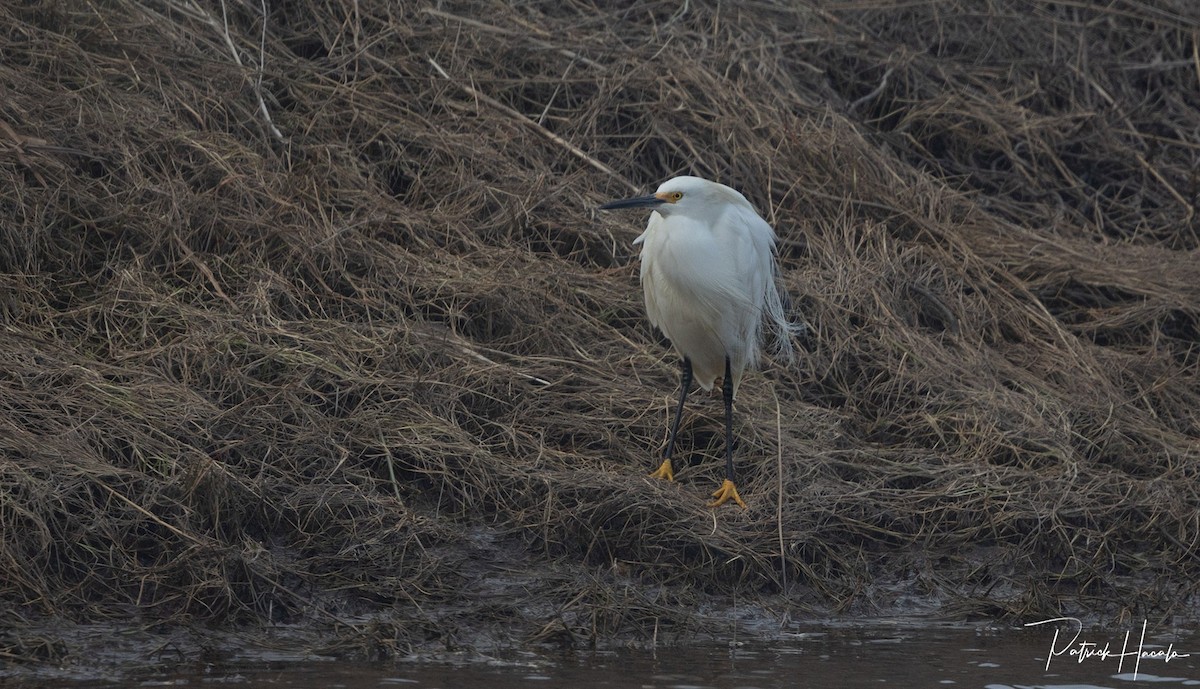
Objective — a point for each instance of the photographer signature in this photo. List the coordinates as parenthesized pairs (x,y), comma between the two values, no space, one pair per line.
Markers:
(1081,649)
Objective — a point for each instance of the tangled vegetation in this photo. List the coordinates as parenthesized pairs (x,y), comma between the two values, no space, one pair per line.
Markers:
(308,317)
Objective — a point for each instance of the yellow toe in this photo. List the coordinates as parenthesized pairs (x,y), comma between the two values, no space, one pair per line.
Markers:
(724,493)
(664,471)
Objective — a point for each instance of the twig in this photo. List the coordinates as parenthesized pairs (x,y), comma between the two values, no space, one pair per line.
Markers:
(391,469)
(19,144)
(575,150)
(1196,53)
(779,500)
(224,30)
(116,41)
(874,92)
(550,101)
(1191,210)
(474,354)
(153,517)
(262,59)
(507,32)
(203,268)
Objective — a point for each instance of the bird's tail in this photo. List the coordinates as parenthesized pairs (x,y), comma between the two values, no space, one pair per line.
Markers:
(777,321)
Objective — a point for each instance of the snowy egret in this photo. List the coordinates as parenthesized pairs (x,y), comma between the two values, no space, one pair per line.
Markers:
(708,275)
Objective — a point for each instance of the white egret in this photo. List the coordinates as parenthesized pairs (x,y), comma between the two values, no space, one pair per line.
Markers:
(708,275)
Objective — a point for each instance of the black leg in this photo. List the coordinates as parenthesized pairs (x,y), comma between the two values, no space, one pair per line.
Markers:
(727,391)
(685,383)
(728,489)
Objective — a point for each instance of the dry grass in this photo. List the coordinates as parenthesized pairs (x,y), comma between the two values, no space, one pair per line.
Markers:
(309,318)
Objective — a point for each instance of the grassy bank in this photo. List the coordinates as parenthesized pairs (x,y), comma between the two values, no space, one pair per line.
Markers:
(309,318)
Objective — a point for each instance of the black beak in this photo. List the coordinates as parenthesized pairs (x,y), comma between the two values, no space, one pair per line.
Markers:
(635,202)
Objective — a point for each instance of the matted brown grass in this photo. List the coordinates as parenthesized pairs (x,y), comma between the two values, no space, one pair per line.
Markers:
(308,317)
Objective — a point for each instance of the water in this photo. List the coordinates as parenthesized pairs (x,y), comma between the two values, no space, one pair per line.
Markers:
(889,656)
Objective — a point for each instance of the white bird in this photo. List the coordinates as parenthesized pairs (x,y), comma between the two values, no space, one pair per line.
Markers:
(708,275)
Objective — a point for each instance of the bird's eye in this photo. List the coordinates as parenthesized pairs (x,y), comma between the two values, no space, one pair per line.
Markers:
(676,195)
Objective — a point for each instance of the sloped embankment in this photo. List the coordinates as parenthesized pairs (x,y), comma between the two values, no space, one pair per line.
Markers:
(308,317)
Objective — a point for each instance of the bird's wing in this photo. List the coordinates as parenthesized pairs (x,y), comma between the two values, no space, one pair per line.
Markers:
(680,258)
(701,276)
(652,241)
(747,242)
(760,271)
(751,245)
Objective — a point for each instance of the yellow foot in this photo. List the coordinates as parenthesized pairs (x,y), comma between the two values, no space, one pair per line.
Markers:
(664,471)
(726,491)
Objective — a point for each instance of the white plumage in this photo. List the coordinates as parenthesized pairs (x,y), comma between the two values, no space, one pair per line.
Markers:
(708,275)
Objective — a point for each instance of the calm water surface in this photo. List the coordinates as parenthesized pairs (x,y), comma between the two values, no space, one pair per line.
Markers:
(906,657)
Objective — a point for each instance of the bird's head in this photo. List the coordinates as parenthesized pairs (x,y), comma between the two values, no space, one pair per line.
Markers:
(684,195)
